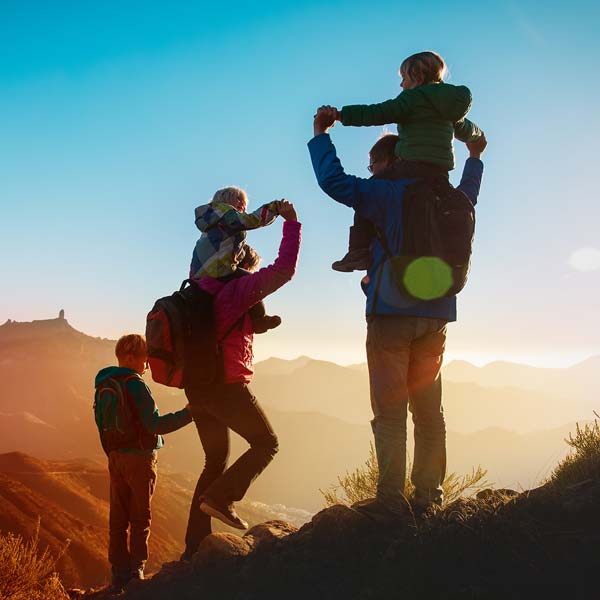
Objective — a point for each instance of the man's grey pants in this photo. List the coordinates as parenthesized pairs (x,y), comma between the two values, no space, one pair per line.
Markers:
(404,355)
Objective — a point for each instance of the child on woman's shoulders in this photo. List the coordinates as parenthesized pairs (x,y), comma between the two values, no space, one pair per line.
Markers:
(222,246)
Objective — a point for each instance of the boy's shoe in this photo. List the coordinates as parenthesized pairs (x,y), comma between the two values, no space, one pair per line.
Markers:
(137,574)
(355,260)
(118,582)
(224,512)
(265,323)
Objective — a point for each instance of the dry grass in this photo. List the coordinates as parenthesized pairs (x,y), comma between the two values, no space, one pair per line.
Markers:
(362,484)
(26,571)
(583,462)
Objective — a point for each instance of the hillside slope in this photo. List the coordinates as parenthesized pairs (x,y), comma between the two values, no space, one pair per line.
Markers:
(537,544)
(71,499)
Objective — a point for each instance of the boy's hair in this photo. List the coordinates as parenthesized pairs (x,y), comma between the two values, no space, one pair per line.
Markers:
(424,67)
(230,195)
(132,344)
(250,260)
(384,148)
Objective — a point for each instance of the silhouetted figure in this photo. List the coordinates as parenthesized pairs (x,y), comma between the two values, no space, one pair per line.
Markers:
(130,428)
(229,403)
(405,336)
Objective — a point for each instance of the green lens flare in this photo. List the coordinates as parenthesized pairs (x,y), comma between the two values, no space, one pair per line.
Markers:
(428,278)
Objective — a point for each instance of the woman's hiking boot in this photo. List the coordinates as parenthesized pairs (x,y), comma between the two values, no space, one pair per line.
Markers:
(263,324)
(224,512)
(355,260)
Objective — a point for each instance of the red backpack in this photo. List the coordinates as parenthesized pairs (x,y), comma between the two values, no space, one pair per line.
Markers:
(180,333)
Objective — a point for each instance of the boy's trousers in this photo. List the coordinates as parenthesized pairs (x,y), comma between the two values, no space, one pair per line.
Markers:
(132,482)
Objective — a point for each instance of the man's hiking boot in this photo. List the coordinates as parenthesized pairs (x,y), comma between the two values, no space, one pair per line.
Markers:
(355,260)
(265,323)
(378,511)
(224,512)
(423,507)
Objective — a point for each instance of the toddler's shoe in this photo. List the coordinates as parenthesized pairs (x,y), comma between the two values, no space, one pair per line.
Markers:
(355,260)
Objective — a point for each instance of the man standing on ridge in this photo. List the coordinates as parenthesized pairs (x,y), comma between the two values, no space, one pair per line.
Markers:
(405,337)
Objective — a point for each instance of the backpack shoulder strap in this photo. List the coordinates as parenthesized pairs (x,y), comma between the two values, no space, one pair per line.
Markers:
(383,241)
(230,330)
(126,395)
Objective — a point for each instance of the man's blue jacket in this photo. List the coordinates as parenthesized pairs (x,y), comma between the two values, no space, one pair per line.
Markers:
(380,201)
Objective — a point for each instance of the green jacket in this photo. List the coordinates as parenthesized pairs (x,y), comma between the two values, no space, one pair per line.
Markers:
(428,117)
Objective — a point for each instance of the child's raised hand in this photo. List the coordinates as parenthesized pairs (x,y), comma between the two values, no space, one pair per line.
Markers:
(287,211)
(324,119)
(276,204)
(477,147)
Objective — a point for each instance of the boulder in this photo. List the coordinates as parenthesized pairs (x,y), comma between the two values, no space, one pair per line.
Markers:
(270,531)
(220,547)
(338,523)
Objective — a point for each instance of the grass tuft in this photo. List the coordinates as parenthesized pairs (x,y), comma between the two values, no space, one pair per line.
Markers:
(361,484)
(26,571)
(583,462)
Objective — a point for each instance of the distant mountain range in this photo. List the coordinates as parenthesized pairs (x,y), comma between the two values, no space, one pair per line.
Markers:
(319,410)
(474,398)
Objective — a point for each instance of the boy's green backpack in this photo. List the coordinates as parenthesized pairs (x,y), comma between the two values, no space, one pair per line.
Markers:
(118,418)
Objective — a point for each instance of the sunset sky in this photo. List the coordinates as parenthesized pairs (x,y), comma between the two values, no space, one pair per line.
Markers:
(118,118)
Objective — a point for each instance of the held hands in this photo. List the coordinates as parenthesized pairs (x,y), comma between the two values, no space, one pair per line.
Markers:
(476,148)
(287,210)
(325,119)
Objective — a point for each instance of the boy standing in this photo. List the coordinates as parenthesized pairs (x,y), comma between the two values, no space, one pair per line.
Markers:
(130,426)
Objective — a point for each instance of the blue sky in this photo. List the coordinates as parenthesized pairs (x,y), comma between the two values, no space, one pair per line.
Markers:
(118,118)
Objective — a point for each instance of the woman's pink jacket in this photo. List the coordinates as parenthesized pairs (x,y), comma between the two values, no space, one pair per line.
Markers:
(234,298)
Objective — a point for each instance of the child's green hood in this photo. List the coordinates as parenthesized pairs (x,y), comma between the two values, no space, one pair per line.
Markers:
(452,102)
(112,373)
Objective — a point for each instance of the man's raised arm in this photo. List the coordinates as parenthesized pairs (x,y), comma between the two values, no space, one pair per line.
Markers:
(368,197)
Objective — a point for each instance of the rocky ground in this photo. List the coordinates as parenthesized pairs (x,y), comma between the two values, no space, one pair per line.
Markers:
(501,544)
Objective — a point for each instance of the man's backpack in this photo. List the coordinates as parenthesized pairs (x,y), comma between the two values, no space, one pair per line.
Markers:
(118,418)
(180,333)
(438,224)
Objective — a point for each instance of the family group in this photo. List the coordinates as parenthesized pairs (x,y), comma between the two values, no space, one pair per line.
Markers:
(405,203)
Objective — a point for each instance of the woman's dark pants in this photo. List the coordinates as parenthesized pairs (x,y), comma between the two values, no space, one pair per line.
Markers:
(216,409)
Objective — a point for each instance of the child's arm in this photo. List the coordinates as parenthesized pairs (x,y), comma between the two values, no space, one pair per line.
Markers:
(466,131)
(151,418)
(234,221)
(384,113)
